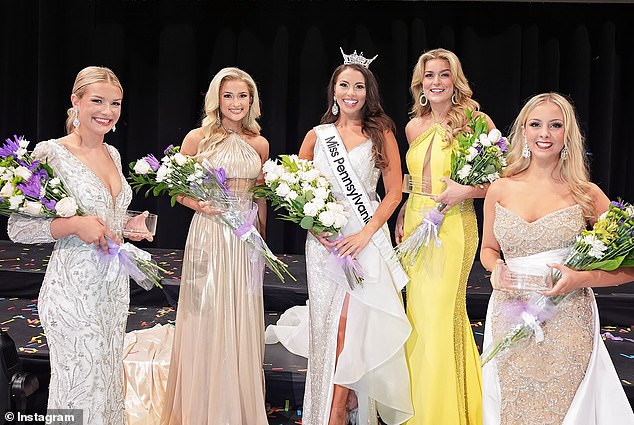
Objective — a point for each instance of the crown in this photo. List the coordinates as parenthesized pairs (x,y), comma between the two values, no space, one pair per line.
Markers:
(358,59)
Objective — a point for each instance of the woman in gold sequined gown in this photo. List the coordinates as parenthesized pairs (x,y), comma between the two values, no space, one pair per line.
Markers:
(531,216)
(216,374)
(444,370)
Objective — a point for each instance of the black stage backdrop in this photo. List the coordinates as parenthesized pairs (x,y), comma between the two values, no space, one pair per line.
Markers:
(165,53)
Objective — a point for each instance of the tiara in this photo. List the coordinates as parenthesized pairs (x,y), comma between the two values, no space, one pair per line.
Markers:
(357,59)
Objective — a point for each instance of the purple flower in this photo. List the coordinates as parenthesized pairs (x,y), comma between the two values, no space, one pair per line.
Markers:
(617,204)
(31,187)
(11,146)
(152,161)
(502,144)
(221,178)
(48,203)
(168,149)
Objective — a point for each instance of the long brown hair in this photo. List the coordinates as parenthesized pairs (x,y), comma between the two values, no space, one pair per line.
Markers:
(374,119)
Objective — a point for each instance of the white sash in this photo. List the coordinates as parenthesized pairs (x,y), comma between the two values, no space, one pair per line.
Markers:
(330,142)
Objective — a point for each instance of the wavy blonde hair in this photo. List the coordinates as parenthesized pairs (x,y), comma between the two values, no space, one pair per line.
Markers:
(456,117)
(212,124)
(86,77)
(573,170)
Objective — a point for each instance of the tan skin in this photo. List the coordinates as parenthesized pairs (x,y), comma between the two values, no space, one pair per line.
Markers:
(536,192)
(235,101)
(438,88)
(350,94)
(99,110)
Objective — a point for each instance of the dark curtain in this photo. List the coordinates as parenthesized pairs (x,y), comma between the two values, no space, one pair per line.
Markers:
(166,52)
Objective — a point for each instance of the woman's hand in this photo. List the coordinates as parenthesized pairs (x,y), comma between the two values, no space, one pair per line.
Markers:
(92,230)
(353,244)
(398,229)
(206,208)
(501,277)
(323,239)
(569,281)
(136,229)
(453,194)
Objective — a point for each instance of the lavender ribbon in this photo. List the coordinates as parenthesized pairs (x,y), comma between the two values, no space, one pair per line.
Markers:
(351,267)
(127,254)
(247,228)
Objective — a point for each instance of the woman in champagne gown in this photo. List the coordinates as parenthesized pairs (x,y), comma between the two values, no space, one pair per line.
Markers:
(357,333)
(532,217)
(444,368)
(83,302)
(216,374)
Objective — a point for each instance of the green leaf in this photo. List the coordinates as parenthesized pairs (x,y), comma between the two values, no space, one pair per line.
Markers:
(307,223)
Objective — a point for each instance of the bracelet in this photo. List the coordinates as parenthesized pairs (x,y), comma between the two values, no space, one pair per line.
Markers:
(481,186)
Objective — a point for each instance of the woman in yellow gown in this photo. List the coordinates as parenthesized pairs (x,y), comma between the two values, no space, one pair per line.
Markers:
(444,368)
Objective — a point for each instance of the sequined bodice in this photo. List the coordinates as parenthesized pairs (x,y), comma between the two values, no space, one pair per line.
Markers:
(518,237)
(362,163)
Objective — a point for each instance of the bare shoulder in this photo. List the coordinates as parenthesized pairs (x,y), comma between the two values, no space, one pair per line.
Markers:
(499,188)
(415,127)
(191,141)
(260,144)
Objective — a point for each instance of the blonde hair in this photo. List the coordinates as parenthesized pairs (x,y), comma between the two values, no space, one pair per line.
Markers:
(212,124)
(573,170)
(86,77)
(456,117)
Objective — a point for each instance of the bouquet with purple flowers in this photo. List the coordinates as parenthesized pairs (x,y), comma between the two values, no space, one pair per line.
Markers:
(177,174)
(477,157)
(30,187)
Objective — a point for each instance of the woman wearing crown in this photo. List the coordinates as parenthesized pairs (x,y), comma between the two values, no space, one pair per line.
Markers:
(357,333)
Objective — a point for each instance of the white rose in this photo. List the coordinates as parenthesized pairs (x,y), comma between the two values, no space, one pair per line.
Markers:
(292,195)
(162,173)
(484,140)
(310,209)
(282,190)
(323,182)
(464,171)
(270,177)
(32,208)
(142,167)
(54,182)
(336,207)
(494,136)
(16,201)
(327,218)
(290,178)
(180,159)
(66,207)
(7,190)
(269,166)
(493,177)
(340,221)
(319,203)
(473,152)
(321,193)
(23,172)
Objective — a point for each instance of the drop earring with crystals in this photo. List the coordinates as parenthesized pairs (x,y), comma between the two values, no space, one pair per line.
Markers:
(526,152)
(76,119)
(114,128)
(564,153)
(335,107)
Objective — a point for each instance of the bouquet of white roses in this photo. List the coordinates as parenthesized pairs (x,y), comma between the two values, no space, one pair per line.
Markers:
(608,246)
(30,187)
(297,187)
(478,156)
(177,174)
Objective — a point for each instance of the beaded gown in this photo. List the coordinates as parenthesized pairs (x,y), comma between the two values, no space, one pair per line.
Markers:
(568,378)
(444,369)
(216,374)
(373,359)
(83,302)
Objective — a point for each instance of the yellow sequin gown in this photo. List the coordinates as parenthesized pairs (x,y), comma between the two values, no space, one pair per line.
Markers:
(442,356)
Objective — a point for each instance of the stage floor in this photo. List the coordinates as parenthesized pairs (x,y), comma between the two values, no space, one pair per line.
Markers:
(22,268)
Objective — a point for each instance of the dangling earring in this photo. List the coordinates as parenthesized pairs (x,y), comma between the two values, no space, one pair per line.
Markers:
(564,153)
(218,120)
(76,119)
(114,128)
(453,99)
(335,107)
(422,102)
(526,152)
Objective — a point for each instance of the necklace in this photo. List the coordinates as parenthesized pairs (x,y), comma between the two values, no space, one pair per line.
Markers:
(436,121)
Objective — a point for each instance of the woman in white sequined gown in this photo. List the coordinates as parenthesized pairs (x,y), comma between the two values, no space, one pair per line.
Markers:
(531,216)
(83,302)
(357,336)
(216,374)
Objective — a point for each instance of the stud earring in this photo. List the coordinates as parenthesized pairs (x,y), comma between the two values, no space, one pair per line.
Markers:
(564,153)
(526,152)
(335,107)
(422,100)
(76,119)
